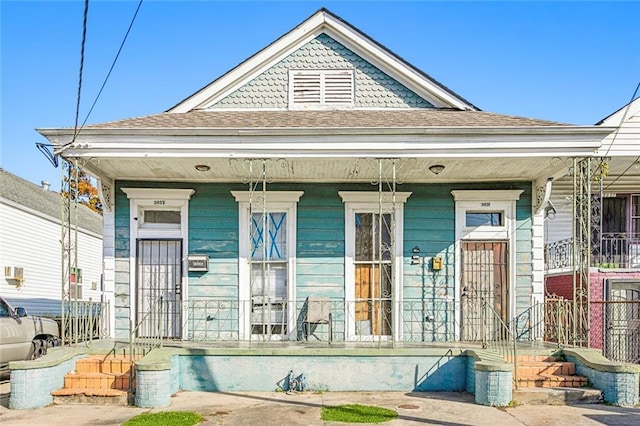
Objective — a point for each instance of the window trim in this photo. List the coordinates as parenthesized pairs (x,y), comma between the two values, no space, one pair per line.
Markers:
(478,201)
(276,201)
(369,202)
(157,198)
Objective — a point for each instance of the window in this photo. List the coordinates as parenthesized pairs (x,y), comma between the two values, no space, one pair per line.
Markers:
(316,88)
(473,219)
(267,241)
(373,264)
(162,216)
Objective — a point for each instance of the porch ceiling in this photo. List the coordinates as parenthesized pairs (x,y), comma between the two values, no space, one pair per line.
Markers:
(327,169)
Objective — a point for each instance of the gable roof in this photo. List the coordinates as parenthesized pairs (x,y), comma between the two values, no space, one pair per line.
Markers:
(27,194)
(325,22)
(624,113)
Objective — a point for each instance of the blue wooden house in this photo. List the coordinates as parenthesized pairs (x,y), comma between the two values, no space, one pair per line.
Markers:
(323,190)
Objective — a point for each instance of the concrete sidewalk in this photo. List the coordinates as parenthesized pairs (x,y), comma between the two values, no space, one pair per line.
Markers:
(272,408)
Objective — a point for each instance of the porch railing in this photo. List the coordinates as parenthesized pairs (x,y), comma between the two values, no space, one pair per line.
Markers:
(84,321)
(617,250)
(360,320)
(145,335)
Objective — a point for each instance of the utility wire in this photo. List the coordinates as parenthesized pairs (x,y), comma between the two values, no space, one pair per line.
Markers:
(624,116)
(84,39)
(104,83)
(113,64)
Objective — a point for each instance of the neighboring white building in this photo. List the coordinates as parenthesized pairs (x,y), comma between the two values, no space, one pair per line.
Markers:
(30,250)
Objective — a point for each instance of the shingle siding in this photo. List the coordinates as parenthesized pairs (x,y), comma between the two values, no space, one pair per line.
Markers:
(373,88)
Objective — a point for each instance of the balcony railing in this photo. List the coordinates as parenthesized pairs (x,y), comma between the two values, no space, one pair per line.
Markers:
(619,250)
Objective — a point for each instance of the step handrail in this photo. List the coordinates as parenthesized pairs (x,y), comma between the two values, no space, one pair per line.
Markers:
(141,345)
(498,336)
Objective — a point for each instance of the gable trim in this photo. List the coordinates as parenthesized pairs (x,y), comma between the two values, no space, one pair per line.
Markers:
(323,22)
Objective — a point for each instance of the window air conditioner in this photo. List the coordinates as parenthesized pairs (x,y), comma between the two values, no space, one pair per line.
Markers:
(13,273)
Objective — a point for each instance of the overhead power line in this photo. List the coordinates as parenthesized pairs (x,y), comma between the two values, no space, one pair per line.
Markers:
(113,64)
(77,130)
(84,39)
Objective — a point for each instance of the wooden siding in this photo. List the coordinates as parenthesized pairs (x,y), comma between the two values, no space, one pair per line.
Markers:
(32,241)
(429,219)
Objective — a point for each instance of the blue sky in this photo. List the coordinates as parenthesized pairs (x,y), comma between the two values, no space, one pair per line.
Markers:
(573,62)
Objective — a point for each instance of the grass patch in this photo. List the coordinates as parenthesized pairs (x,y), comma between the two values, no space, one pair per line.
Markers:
(356,413)
(165,418)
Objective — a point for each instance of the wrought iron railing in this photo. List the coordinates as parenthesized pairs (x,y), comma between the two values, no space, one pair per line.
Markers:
(84,321)
(559,254)
(330,320)
(558,321)
(617,250)
(498,336)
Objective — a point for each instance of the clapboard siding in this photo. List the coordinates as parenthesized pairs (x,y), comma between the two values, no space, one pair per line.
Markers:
(31,240)
(429,224)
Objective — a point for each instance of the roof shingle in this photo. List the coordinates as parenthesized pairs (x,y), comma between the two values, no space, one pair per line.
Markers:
(409,118)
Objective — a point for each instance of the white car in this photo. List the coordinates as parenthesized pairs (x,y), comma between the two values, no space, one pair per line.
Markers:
(24,337)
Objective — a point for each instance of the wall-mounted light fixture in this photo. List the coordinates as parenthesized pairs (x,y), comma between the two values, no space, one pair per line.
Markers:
(202,167)
(436,169)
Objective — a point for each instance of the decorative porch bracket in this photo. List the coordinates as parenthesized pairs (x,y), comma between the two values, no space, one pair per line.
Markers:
(106,194)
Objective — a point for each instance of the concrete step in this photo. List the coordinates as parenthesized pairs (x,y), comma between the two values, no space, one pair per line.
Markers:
(551,381)
(536,368)
(90,396)
(557,396)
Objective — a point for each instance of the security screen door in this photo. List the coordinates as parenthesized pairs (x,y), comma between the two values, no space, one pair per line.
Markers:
(159,292)
(373,274)
(484,278)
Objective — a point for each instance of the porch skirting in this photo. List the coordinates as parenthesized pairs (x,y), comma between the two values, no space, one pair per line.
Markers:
(237,370)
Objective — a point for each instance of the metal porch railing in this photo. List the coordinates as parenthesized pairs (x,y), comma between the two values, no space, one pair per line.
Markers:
(617,250)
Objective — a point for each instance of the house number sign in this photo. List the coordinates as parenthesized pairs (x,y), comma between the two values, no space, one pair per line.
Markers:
(159,202)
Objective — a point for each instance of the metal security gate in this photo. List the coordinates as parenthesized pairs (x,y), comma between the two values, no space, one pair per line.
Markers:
(159,287)
(622,323)
(484,278)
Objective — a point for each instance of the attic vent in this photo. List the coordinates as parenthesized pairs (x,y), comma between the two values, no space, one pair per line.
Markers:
(317,88)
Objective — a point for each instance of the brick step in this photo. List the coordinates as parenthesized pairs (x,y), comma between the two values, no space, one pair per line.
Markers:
(536,368)
(552,381)
(81,381)
(102,364)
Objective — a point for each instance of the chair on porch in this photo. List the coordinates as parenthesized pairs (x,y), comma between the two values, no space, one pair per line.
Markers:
(318,312)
